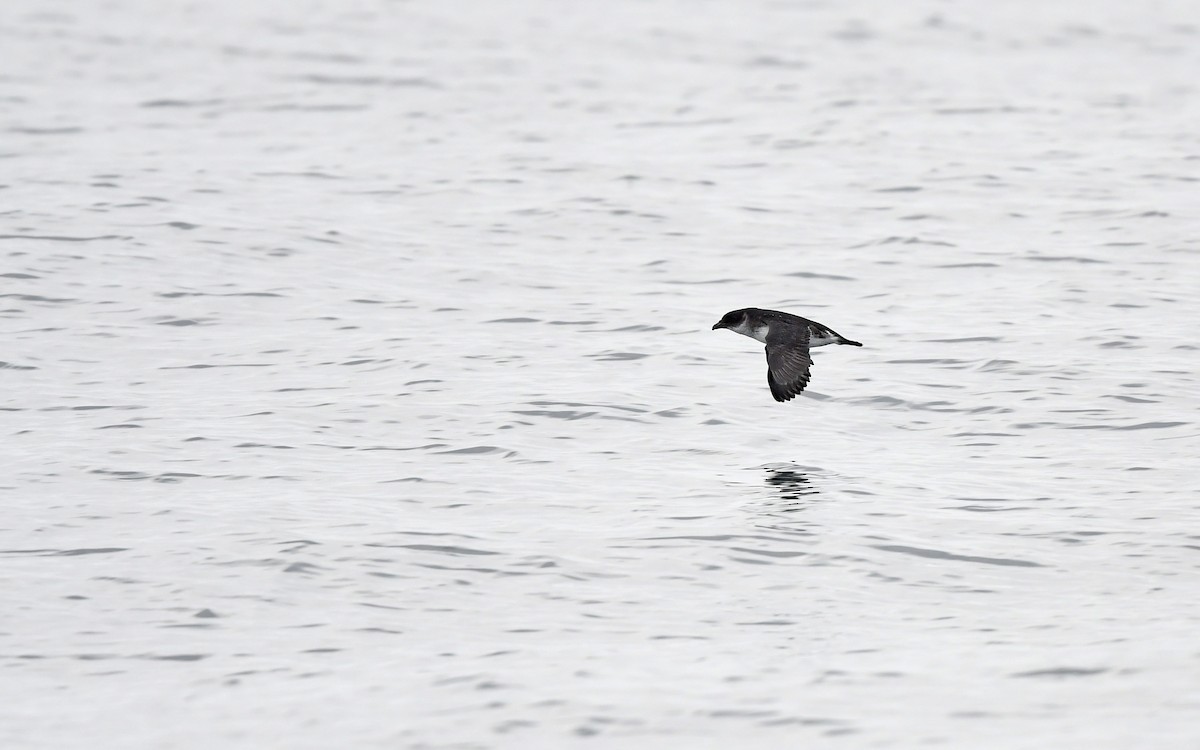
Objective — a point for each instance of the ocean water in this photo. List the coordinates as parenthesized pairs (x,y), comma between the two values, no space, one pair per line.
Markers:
(359,386)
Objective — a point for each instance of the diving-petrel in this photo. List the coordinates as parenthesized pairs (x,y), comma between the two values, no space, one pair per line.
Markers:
(788,338)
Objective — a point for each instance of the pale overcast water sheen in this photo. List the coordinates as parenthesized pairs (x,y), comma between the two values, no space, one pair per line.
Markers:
(359,386)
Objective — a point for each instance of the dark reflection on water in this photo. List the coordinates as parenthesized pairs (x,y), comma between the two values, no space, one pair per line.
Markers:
(791,490)
(793,485)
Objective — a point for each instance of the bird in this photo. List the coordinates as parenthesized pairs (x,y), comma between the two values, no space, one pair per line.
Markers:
(788,338)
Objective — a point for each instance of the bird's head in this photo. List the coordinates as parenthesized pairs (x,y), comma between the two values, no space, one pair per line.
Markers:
(733,319)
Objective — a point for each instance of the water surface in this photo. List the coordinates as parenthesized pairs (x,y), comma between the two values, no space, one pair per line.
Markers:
(359,386)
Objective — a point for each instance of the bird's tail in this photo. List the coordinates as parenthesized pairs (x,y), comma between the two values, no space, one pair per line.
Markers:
(848,342)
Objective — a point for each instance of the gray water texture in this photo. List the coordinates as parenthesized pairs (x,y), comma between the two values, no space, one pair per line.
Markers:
(359,386)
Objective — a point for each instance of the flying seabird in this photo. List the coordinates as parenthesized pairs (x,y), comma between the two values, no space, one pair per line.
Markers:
(788,338)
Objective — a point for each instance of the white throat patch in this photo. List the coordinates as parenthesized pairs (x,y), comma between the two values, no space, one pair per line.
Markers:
(758,334)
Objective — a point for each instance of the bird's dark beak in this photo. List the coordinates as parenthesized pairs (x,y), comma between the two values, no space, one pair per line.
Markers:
(718,325)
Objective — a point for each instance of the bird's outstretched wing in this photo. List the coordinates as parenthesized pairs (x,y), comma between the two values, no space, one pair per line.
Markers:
(788,361)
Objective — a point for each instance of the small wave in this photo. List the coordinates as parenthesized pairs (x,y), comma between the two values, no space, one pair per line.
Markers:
(937,554)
